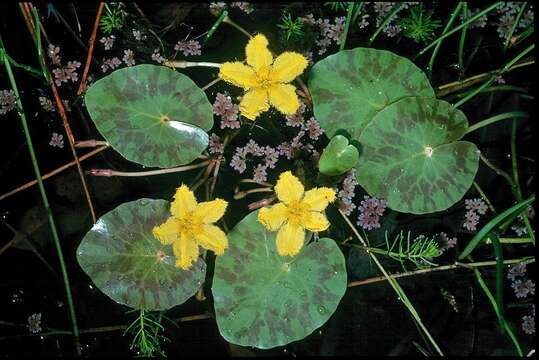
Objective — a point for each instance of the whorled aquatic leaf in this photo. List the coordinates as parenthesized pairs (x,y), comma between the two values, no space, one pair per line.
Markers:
(265,300)
(151,115)
(127,263)
(411,156)
(350,87)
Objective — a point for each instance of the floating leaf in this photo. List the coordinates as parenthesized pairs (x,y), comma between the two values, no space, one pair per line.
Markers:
(265,300)
(350,87)
(130,265)
(338,157)
(151,115)
(411,156)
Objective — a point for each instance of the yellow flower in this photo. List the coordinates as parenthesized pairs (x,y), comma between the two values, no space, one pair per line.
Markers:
(190,226)
(265,81)
(295,213)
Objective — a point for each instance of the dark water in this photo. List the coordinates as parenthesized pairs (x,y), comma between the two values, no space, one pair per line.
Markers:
(370,320)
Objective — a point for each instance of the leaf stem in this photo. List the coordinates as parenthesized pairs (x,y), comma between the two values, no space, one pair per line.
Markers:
(110,172)
(495,118)
(351,6)
(45,200)
(388,18)
(396,287)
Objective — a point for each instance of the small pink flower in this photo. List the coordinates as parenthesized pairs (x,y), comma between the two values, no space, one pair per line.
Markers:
(7,101)
(191,47)
(53,52)
(157,57)
(476,205)
(238,163)
(371,209)
(471,219)
(57,140)
(107,42)
(215,145)
(129,57)
(259,174)
(313,126)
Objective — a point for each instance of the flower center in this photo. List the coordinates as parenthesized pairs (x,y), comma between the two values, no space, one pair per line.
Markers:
(263,76)
(189,225)
(297,212)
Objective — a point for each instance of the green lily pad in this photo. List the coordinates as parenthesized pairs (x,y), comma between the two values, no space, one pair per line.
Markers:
(338,157)
(350,87)
(151,115)
(127,263)
(411,156)
(265,300)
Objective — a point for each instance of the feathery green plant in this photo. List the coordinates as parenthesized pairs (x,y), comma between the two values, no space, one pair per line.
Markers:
(114,17)
(147,339)
(419,25)
(291,27)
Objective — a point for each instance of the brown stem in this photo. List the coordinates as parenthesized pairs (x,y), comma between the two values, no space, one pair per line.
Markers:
(457,265)
(54,172)
(110,172)
(91,42)
(61,111)
(90,143)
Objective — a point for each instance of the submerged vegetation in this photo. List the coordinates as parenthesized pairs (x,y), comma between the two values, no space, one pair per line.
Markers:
(267,179)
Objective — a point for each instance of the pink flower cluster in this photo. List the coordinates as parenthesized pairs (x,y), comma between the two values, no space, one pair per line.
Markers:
(191,47)
(107,41)
(53,52)
(57,140)
(228,111)
(347,193)
(110,63)
(328,32)
(252,149)
(68,73)
(370,211)
(471,218)
(157,57)
(215,146)
(7,101)
(446,242)
(528,322)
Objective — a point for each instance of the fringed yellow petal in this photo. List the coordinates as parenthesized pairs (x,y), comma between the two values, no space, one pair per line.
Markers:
(289,188)
(290,239)
(168,232)
(273,217)
(254,102)
(184,202)
(284,98)
(318,199)
(238,74)
(186,252)
(257,52)
(288,66)
(211,211)
(212,238)
(316,221)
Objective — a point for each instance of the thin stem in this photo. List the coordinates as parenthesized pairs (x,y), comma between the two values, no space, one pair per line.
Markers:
(438,45)
(351,6)
(110,172)
(24,67)
(497,310)
(514,167)
(91,43)
(210,84)
(60,107)
(215,25)
(457,265)
(514,27)
(469,21)
(396,287)
(45,200)
(484,196)
(242,194)
(511,241)
(495,118)
(91,143)
(54,172)
(229,21)
(449,88)
(499,172)
(388,18)
(185,64)
(463,38)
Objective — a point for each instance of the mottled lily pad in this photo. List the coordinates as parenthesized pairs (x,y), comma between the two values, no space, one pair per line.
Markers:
(130,265)
(338,157)
(411,156)
(151,115)
(265,300)
(350,87)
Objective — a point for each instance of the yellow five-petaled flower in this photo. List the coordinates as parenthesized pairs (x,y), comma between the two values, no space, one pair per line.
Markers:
(265,81)
(191,225)
(297,211)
